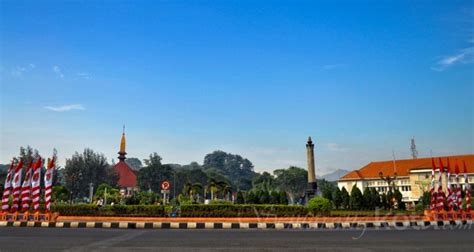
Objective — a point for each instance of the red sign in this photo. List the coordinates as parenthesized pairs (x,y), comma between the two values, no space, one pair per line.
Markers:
(165,185)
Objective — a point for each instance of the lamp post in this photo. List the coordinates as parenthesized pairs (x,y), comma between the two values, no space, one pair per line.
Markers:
(391,184)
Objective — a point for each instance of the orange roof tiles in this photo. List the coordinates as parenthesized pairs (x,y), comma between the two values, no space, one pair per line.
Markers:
(403,167)
(127,176)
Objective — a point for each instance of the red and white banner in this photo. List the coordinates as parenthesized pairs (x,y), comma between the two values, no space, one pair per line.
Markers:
(35,185)
(451,195)
(7,189)
(467,188)
(17,186)
(440,194)
(26,189)
(48,184)
(458,195)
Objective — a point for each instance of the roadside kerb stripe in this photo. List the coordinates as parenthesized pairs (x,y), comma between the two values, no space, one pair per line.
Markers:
(230,225)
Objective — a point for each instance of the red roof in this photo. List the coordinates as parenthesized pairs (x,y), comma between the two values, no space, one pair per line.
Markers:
(403,167)
(127,176)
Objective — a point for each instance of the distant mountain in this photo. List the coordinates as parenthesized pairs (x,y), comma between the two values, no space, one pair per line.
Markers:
(335,175)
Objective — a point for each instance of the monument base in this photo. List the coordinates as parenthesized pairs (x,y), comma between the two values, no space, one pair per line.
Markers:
(311,191)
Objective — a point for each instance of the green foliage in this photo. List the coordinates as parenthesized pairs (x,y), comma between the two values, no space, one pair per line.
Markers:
(327,189)
(59,194)
(84,168)
(384,201)
(242,211)
(151,176)
(319,206)
(264,197)
(115,210)
(240,198)
(274,197)
(337,198)
(425,200)
(345,198)
(264,181)
(356,201)
(292,180)
(283,198)
(220,202)
(399,199)
(234,168)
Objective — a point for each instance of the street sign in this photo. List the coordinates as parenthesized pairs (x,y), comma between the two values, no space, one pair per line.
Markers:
(165,185)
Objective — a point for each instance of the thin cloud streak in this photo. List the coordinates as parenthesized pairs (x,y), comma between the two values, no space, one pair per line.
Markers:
(465,56)
(65,108)
(58,71)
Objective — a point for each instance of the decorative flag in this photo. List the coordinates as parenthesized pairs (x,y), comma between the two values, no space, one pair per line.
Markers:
(467,189)
(432,190)
(26,189)
(7,188)
(48,183)
(458,187)
(35,184)
(448,185)
(17,186)
(440,195)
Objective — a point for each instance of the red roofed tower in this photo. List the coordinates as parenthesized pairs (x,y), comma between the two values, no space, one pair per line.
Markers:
(127,177)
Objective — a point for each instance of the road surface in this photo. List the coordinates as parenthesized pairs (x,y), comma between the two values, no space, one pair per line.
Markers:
(85,239)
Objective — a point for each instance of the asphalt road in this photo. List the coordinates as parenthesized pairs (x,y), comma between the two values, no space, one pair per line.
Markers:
(57,239)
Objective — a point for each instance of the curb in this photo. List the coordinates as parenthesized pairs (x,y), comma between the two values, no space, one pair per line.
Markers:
(237,225)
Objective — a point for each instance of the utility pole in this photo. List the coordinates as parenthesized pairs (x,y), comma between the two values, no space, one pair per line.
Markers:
(91,191)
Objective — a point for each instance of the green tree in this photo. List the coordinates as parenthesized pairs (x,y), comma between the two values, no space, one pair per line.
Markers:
(274,197)
(384,201)
(337,198)
(283,198)
(85,168)
(327,189)
(238,170)
(59,194)
(251,198)
(356,200)
(345,198)
(264,197)
(367,199)
(264,181)
(150,177)
(319,206)
(240,198)
(399,199)
(293,180)
(375,198)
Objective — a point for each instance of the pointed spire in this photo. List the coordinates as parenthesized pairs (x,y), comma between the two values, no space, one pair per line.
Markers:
(122,152)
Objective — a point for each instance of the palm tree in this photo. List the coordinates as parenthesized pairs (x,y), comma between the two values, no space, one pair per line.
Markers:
(190,189)
(212,186)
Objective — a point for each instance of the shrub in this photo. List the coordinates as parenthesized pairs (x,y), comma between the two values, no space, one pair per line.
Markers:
(115,210)
(319,206)
(243,211)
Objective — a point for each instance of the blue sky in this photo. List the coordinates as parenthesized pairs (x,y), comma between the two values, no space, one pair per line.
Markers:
(254,78)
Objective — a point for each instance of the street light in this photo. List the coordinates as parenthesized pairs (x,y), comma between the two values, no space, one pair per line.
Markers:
(391,184)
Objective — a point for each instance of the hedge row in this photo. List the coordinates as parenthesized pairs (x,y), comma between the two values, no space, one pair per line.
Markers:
(242,211)
(115,210)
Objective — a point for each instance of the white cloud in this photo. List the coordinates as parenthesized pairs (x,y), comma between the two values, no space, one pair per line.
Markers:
(84,76)
(18,71)
(32,66)
(335,147)
(65,108)
(464,56)
(58,72)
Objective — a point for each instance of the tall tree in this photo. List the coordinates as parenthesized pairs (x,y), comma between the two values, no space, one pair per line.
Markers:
(151,176)
(337,197)
(356,200)
(264,181)
(345,198)
(85,168)
(239,170)
(293,180)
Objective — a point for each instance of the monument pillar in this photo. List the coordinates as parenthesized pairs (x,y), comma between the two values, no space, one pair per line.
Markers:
(312,185)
